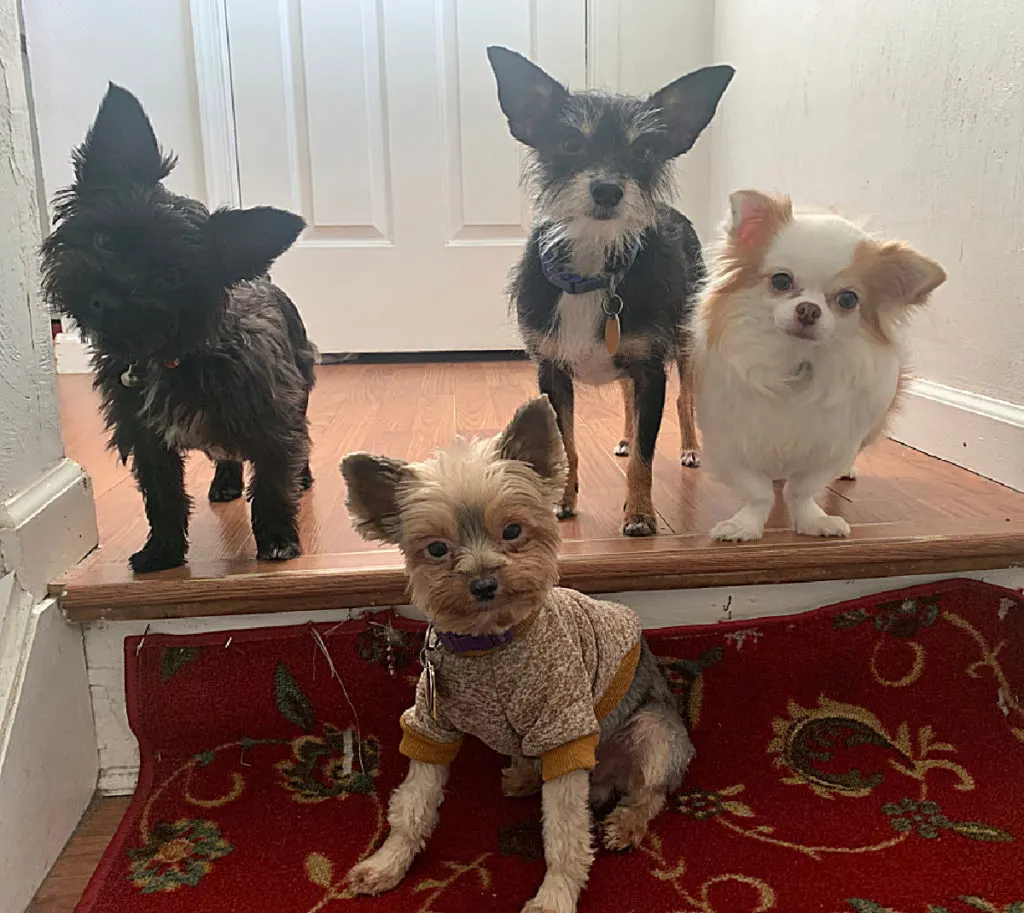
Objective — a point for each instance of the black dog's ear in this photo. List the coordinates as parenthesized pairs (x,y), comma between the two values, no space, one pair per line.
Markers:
(532,437)
(527,95)
(120,147)
(373,485)
(244,242)
(688,104)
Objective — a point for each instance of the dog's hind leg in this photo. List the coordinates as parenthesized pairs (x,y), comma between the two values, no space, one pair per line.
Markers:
(690,451)
(649,403)
(659,751)
(274,495)
(626,386)
(568,848)
(227,481)
(160,474)
(557,385)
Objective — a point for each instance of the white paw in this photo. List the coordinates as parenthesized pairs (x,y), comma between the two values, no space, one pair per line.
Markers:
(737,529)
(823,526)
(690,458)
(380,873)
(622,448)
(556,895)
(850,474)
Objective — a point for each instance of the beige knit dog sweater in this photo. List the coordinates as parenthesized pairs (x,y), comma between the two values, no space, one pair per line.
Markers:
(541,694)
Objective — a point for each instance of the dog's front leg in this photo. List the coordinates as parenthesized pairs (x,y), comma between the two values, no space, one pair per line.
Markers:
(413,815)
(160,475)
(274,492)
(568,848)
(557,385)
(649,404)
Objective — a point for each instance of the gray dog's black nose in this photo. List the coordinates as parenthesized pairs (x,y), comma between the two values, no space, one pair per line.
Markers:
(484,588)
(606,193)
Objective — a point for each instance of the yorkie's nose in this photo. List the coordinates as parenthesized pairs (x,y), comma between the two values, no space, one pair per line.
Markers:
(484,588)
(807,312)
(606,193)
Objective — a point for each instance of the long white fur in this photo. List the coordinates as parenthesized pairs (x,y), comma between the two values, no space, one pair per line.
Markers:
(771,406)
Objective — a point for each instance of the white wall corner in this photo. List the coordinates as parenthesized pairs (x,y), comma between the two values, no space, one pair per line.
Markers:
(72,354)
(982,434)
(48,527)
(48,755)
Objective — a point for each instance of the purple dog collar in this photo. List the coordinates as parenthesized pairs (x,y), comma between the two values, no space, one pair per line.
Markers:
(467,643)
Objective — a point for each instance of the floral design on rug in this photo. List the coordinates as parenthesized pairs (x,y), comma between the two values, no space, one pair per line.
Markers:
(177,854)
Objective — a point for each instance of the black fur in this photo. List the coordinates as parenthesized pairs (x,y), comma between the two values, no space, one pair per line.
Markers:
(194,347)
(580,146)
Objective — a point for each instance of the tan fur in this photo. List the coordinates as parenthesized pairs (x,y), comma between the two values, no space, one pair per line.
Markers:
(413,815)
(568,849)
(639,507)
(629,414)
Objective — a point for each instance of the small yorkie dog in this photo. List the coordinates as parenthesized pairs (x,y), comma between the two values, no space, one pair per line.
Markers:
(193,346)
(563,684)
(608,277)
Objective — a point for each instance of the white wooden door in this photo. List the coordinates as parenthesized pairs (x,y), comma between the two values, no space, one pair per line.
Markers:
(378,121)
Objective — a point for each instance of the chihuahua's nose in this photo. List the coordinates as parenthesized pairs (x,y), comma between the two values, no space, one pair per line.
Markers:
(484,588)
(606,193)
(807,312)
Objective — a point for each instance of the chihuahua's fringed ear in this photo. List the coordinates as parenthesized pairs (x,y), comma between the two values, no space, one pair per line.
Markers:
(528,97)
(754,218)
(244,242)
(120,147)
(688,104)
(373,488)
(532,437)
(903,276)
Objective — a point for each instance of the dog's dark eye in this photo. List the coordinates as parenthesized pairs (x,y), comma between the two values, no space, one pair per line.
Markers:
(437,549)
(511,532)
(101,241)
(782,282)
(847,299)
(571,145)
(641,151)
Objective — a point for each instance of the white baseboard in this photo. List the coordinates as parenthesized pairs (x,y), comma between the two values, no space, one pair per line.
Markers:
(977,432)
(119,757)
(72,354)
(48,527)
(48,759)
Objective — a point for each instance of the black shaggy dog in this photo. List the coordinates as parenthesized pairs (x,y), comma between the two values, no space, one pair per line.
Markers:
(194,347)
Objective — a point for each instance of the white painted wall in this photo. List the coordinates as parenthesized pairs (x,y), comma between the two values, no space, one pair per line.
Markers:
(912,114)
(77,46)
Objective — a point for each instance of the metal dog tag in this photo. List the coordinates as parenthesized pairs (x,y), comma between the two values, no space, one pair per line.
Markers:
(429,647)
(612,307)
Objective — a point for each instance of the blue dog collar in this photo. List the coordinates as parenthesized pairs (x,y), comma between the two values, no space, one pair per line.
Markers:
(556,271)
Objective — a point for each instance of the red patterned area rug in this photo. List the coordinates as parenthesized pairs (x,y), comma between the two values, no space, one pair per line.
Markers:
(863,758)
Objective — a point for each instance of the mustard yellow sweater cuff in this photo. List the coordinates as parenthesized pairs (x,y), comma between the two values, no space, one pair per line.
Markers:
(417,747)
(578,755)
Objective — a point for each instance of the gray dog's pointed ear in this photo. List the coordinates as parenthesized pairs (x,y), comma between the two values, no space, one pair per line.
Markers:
(529,98)
(532,437)
(374,483)
(688,104)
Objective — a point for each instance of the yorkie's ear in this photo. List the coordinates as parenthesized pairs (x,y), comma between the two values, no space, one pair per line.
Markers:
(532,437)
(243,243)
(373,487)
(688,104)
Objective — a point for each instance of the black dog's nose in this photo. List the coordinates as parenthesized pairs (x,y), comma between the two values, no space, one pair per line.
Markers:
(484,588)
(606,193)
(102,300)
(807,312)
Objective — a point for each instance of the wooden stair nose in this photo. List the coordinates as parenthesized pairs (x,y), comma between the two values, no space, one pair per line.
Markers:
(102,591)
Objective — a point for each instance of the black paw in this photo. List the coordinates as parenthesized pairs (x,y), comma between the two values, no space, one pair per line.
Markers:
(565,512)
(640,525)
(157,556)
(690,459)
(305,479)
(227,482)
(278,548)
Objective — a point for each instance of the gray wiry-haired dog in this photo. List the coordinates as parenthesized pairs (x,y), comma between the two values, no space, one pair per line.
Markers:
(480,540)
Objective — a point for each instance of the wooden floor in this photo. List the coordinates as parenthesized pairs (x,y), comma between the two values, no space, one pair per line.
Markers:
(910,513)
(63,887)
